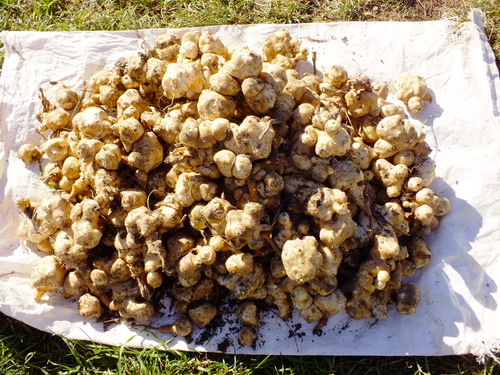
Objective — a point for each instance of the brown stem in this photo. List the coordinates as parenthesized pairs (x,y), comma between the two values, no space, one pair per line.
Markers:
(271,242)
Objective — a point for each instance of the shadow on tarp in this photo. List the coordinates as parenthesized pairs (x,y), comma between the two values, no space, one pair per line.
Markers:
(428,114)
(459,229)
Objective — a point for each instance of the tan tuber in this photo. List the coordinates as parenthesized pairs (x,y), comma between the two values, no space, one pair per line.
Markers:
(201,171)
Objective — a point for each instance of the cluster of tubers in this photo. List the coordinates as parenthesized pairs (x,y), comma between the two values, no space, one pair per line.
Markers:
(201,171)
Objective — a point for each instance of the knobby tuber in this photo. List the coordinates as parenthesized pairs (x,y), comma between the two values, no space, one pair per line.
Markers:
(196,170)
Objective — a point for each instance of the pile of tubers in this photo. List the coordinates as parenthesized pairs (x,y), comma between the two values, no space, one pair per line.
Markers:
(207,173)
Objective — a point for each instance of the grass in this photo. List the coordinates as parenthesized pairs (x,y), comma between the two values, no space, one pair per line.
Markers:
(24,350)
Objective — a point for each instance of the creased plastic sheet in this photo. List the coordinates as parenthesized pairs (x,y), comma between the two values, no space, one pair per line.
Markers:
(459,310)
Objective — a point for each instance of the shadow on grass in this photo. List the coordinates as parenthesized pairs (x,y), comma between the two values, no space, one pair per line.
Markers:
(26,350)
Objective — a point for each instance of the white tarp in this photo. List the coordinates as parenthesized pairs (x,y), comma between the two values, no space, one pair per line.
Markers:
(459,310)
